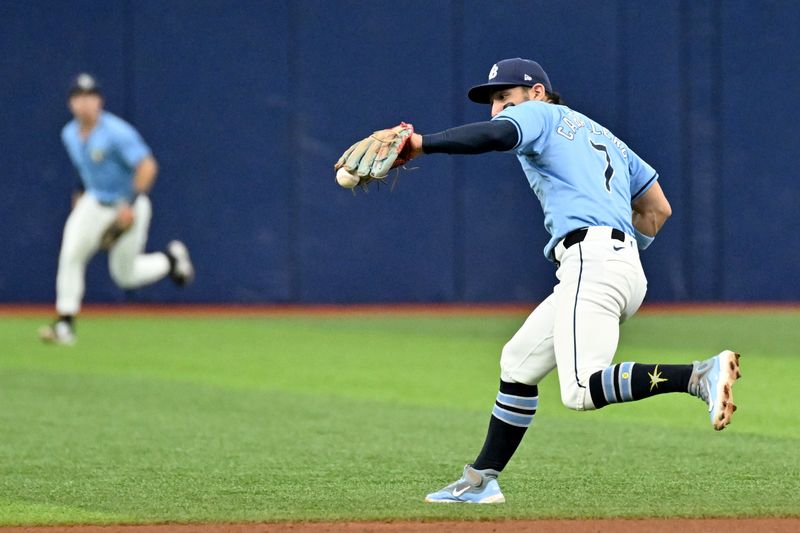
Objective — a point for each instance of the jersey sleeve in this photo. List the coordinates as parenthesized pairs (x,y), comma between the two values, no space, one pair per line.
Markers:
(130,145)
(531,119)
(475,138)
(642,175)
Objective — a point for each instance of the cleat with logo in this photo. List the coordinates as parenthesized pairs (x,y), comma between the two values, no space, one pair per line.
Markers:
(59,332)
(474,486)
(712,381)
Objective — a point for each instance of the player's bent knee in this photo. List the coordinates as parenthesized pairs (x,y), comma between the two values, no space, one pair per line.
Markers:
(570,401)
(125,284)
(577,398)
(511,359)
(507,356)
(123,278)
(522,363)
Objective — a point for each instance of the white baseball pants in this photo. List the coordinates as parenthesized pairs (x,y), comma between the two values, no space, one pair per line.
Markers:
(576,329)
(129,267)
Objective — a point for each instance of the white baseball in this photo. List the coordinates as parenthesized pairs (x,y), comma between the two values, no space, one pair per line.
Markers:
(345,179)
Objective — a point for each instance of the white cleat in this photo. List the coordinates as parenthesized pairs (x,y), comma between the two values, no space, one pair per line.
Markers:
(59,332)
(712,381)
(474,486)
(182,272)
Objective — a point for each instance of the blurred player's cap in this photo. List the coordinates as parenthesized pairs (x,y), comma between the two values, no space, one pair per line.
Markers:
(510,73)
(84,83)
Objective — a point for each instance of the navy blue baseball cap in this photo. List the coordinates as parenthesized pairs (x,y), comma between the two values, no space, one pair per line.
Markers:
(84,83)
(510,73)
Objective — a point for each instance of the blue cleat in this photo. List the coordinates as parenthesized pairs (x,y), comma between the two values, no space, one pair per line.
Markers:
(712,381)
(474,486)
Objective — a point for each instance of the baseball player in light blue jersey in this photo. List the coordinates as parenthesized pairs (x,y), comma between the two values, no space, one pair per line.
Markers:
(602,204)
(110,211)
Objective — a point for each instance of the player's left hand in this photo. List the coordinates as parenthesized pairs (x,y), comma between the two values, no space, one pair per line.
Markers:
(373,157)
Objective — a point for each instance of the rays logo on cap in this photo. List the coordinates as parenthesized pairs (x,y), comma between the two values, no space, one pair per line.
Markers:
(493,72)
(85,82)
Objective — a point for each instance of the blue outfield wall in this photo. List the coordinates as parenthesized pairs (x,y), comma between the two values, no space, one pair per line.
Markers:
(248,104)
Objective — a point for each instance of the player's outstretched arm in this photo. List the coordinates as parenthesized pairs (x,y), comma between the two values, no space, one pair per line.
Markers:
(371,158)
(475,138)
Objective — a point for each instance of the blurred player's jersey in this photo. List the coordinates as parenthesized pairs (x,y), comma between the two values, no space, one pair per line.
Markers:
(582,174)
(106,160)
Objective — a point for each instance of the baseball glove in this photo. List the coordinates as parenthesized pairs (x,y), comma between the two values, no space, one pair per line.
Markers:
(112,234)
(372,158)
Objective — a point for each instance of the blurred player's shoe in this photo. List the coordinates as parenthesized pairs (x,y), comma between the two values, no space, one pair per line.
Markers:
(182,271)
(474,486)
(59,332)
(712,381)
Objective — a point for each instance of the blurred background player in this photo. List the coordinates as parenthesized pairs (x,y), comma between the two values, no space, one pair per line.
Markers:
(110,209)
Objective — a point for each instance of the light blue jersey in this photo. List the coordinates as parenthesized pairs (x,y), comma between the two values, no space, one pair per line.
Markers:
(582,174)
(107,159)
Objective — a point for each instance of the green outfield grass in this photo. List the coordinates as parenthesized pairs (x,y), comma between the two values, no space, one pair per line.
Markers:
(321,418)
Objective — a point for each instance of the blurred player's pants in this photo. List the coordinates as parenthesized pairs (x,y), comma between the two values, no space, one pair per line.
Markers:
(129,267)
(576,329)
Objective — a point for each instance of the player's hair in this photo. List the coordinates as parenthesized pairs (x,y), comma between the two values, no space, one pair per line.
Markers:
(554,97)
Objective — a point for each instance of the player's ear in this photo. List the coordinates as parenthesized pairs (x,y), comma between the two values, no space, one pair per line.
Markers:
(538,92)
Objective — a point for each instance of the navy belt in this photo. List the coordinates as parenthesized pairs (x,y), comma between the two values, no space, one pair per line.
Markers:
(576,236)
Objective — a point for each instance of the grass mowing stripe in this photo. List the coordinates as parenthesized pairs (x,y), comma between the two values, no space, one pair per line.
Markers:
(194,453)
(26,512)
(278,419)
(404,360)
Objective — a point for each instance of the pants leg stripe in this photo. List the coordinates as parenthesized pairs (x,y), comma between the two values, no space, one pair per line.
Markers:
(575,320)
